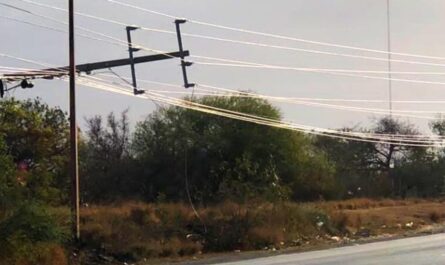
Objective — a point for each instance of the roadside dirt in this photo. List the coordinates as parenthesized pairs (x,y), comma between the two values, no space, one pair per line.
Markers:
(311,246)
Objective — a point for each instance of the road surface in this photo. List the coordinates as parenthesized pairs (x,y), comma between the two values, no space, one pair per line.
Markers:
(425,250)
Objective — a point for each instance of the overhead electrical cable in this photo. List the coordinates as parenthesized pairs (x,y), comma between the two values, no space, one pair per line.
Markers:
(238,63)
(361,109)
(256,64)
(240,92)
(392,135)
(114,41)
(56,69)
(342,72)
(274,123)
(306,69)
(44,64)
(63,31)
(235,41)
(277,36)
(400,113)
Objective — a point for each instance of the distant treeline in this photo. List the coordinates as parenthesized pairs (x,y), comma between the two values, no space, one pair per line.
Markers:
(182,155)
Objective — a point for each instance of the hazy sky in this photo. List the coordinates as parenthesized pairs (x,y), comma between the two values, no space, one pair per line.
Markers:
(417,27)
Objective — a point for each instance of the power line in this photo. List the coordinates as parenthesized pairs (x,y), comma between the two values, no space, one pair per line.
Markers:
(327,70)
(62,30)
(376,111)
(400,113)
(230,92)
(256,65)
(231,40)
(274,123)
(237,63)
(299,49)
(271,35)
(392,136)
(275,67)
(114,41)
(389,135)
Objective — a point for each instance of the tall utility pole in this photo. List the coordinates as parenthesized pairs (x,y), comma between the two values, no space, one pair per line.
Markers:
(388,15)
(74,168)
(87,68)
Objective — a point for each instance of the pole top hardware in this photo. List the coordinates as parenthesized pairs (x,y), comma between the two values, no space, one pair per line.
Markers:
(133,27)
(186,63)
(138,91)
(26,84)
(135,49)
(180,21)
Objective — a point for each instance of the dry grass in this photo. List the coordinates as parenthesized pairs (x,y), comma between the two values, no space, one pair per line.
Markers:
(390,217)
(132,231)
(365,203)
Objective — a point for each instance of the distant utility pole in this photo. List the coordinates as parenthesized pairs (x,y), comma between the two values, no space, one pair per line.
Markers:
(74,160)
(388,16)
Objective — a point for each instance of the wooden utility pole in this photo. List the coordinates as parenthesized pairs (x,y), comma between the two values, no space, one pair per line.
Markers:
(87,68)
(74,162)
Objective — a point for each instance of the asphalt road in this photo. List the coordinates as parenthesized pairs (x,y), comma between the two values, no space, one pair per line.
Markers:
(425,250)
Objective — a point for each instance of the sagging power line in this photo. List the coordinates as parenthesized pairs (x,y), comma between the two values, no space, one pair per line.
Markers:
(119,23)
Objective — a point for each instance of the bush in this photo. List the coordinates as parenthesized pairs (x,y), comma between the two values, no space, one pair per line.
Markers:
(30,235)
(434,217)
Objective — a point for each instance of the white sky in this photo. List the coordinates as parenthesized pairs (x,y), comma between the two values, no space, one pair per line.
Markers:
(417,27)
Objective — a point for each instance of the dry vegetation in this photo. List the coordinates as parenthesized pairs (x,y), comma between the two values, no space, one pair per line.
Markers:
(134,231)
(386,216)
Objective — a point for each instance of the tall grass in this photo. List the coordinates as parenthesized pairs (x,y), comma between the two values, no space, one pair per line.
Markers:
(133,231)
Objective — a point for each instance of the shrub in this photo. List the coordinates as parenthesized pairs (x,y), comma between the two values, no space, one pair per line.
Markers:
(340,221)
(30,235)
(434,217)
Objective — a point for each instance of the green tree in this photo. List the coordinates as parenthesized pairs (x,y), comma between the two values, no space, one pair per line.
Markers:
(10,190)
(108,170)
(214,158)
(354,165)
(36,138)
(420,174)
(365,168)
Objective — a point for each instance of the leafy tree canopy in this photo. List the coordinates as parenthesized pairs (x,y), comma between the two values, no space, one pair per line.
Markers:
(36,138)
(215,158)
